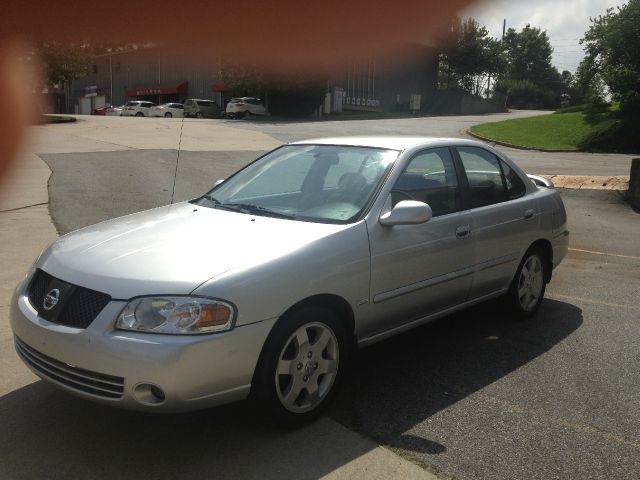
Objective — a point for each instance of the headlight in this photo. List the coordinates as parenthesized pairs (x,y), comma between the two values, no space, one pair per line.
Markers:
(176,315)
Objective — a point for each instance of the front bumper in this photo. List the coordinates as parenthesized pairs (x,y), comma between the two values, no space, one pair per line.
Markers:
(192,371)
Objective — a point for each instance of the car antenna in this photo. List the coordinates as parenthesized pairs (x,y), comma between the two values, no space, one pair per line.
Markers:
(175,173)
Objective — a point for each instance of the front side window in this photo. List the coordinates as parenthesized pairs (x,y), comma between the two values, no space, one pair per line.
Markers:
(321,183)
(431,178)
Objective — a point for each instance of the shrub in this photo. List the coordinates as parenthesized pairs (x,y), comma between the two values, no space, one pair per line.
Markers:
(526,94)
(613,135)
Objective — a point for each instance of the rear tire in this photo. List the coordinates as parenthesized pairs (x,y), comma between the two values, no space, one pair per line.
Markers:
(301,366)
(528,286)
(245,115)
(168,115)
(199,115)
(139,114)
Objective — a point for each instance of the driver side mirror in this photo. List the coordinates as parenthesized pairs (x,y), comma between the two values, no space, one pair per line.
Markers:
(407,212)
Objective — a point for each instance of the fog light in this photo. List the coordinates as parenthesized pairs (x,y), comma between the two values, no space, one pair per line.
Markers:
(148,394)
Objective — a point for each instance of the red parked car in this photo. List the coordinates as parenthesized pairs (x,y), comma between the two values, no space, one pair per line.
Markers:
(101,110)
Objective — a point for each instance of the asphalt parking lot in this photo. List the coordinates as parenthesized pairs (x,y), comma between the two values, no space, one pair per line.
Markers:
(475,395)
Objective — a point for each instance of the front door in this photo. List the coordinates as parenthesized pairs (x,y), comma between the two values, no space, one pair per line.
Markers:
(417,270)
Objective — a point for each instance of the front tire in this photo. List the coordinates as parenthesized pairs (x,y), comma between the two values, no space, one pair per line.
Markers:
(301,365)
(139,114)
(529,284)
(168,115)
(199,115)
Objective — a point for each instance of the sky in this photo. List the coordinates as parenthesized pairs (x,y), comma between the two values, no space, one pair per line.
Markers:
(564,20)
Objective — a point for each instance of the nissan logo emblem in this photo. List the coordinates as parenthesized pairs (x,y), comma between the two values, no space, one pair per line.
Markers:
(51,299)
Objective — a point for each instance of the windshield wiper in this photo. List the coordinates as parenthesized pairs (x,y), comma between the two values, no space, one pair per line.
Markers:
(255,209)
(211,199)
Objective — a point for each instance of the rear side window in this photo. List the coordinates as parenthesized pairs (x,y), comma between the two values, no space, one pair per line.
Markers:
(205,103)
(515,185)
(430,177)
(487,182)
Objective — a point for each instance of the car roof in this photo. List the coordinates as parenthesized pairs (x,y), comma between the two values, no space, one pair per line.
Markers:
(392,143)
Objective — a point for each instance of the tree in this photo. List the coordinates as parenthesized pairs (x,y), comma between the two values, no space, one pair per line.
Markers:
(65,63)
(588,86)
(528,54)
(470,56)
(529,57)
(612,46)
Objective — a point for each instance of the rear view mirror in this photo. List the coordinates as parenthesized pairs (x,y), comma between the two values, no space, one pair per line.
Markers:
(407,212)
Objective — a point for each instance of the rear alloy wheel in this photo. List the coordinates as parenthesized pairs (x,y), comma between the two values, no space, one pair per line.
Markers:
(168,115)
(528,286)
(301,365)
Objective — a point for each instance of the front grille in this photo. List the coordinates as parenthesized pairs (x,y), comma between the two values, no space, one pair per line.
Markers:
(79,379)
(78,306)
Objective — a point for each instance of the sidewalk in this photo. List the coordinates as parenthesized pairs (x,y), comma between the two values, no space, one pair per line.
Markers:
(325,449)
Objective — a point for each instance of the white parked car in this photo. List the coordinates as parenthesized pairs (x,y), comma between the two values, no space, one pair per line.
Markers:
(137,108)
(114,111)
(244,106)
(167,110)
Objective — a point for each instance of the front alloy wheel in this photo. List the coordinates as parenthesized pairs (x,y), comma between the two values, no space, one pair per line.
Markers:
(301,365)
(307,367)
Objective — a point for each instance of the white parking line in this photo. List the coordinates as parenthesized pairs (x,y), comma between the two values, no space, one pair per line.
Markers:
(604,253)
(594,302)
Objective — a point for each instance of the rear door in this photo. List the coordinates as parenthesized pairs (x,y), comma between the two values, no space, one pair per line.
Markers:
(505,219)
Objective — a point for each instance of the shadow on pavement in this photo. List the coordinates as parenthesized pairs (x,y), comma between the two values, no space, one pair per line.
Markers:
(397,384)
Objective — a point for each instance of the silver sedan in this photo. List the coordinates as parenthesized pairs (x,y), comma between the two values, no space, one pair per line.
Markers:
(265,284)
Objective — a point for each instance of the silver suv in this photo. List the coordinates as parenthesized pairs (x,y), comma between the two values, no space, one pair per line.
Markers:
(198,108)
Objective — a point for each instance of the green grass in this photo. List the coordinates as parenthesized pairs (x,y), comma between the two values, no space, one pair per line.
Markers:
(560,131)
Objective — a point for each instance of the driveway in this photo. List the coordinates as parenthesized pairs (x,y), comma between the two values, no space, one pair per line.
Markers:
(470,396)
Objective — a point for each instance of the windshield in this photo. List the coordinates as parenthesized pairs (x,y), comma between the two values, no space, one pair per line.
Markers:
(322,183)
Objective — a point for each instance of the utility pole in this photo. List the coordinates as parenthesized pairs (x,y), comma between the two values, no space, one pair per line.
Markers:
(504,27)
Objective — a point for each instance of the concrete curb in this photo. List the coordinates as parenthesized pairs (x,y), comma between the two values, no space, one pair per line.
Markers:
(584,182)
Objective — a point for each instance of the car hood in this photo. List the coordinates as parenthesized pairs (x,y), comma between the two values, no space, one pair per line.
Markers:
(173,249)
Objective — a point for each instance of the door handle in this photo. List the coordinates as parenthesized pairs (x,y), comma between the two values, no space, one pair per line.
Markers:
(529,214)
(463,231)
